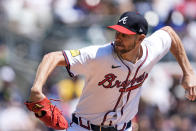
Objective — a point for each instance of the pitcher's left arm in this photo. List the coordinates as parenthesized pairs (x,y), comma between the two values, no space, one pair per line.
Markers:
(178,51)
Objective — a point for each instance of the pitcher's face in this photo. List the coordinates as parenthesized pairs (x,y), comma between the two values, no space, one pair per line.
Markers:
(124,43)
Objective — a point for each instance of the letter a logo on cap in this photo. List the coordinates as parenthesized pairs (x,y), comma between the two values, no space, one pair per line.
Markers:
(124,20)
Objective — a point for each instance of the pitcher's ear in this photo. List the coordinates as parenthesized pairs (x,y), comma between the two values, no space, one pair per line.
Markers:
(141,37)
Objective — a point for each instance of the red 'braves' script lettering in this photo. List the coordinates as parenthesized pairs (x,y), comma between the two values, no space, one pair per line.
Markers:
(110,82)
(108,78)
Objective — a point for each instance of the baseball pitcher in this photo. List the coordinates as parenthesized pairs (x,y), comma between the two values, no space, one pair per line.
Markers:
(114,74)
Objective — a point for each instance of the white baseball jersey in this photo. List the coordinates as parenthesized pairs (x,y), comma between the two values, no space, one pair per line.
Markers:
(112,85)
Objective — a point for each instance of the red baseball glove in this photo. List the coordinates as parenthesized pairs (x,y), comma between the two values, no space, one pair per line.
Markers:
(50,114)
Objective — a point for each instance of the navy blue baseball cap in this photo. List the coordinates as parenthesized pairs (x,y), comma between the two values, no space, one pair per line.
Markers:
(131,23)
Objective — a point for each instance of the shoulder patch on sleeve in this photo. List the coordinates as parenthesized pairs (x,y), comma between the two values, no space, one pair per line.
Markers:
(75,52)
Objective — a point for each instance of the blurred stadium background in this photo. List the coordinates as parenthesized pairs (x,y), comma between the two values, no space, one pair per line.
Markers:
(31,28)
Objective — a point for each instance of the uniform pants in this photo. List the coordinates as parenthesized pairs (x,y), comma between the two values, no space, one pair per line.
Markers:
(75,127)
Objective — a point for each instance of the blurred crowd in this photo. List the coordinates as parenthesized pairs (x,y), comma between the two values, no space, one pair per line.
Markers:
(31,28)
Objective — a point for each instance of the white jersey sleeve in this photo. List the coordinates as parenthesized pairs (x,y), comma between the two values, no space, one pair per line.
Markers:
(78,60)
(159,43)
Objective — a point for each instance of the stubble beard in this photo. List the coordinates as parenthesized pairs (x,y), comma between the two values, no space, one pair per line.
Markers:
(123,51)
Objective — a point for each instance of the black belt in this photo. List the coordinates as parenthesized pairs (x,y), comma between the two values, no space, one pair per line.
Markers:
(96,127)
